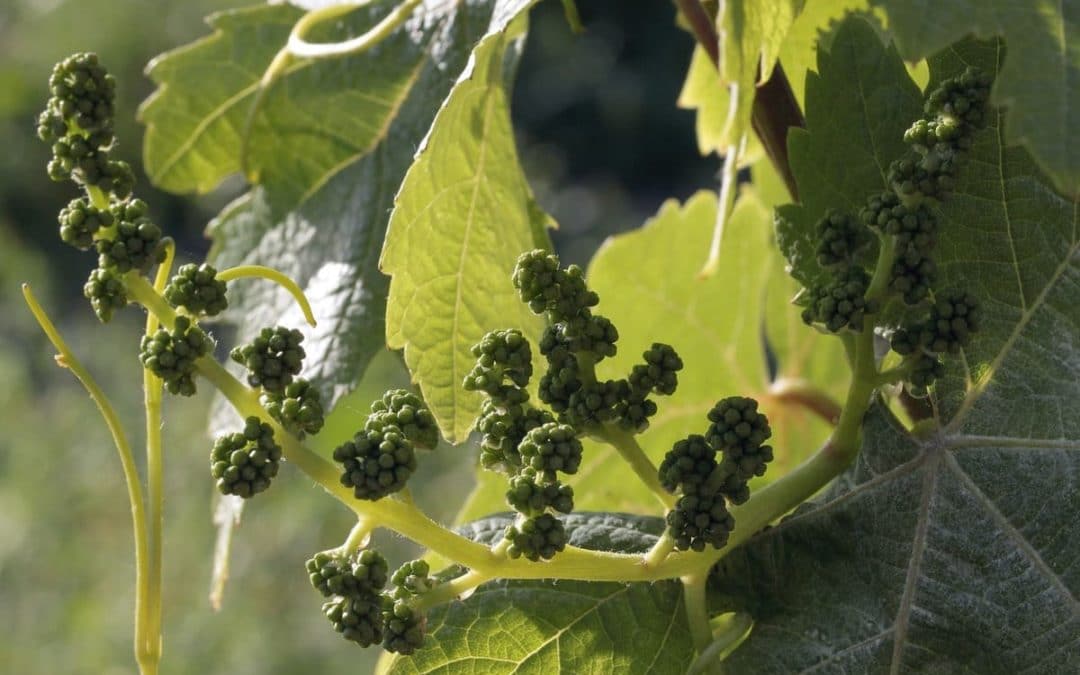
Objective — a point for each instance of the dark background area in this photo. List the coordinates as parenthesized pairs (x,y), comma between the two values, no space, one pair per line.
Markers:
(603,145)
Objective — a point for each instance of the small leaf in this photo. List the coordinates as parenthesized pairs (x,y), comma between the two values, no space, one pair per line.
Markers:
(461,219)
(858,105)
(702,91)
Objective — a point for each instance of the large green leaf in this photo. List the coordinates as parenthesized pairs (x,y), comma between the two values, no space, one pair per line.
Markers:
(716,324)
(330,243)
(461,219)
(857,106)
(955,550)
(196,117)
(564,626)
(1039,83)
(318,118)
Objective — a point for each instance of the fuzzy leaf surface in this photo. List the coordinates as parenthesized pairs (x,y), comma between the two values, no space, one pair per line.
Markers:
(1039,82)
(957,550)
(568,626)
(858,104)
(462,217)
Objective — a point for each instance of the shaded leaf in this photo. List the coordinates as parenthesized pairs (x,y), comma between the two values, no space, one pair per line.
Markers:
(955,551)
(1039,84)
(858,105)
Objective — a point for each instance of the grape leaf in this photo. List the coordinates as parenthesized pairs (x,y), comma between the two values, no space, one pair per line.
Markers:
(1039,83)
(330,244)
(813,27)
(751,33)
(955,550)
(858,105)
(703,92)
(318,118)
(715,324)
(462,217)
(564,626)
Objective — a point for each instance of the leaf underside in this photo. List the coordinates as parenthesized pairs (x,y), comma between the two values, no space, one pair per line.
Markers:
(957,551)
(1039,84)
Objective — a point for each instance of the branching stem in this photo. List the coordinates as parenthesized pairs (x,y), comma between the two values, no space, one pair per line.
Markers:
(660,550)
(573,563)
(628,447)
(697,609)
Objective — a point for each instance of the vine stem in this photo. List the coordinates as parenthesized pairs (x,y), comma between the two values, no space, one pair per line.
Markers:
(631,451)
(298,46)
(660,550)
(271,274)
(151,641)
(697,609)
(358,536)
(65,358)
(450,590)
(572,563)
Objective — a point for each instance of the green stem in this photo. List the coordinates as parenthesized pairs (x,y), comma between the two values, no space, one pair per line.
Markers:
(155,493)
(628,447)
(66,359)
(660,550)
(297,46)
(572,563)
(151,641)
(697,609)
(450,590)
(726,199)
(879,283)
(98,198)
(271,274)
(573,17)
(723,640)
(359,535)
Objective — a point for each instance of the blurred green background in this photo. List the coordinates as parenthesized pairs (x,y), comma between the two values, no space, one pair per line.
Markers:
(603,144)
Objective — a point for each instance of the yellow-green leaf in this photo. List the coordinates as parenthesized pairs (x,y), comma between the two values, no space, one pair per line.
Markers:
(461,218)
